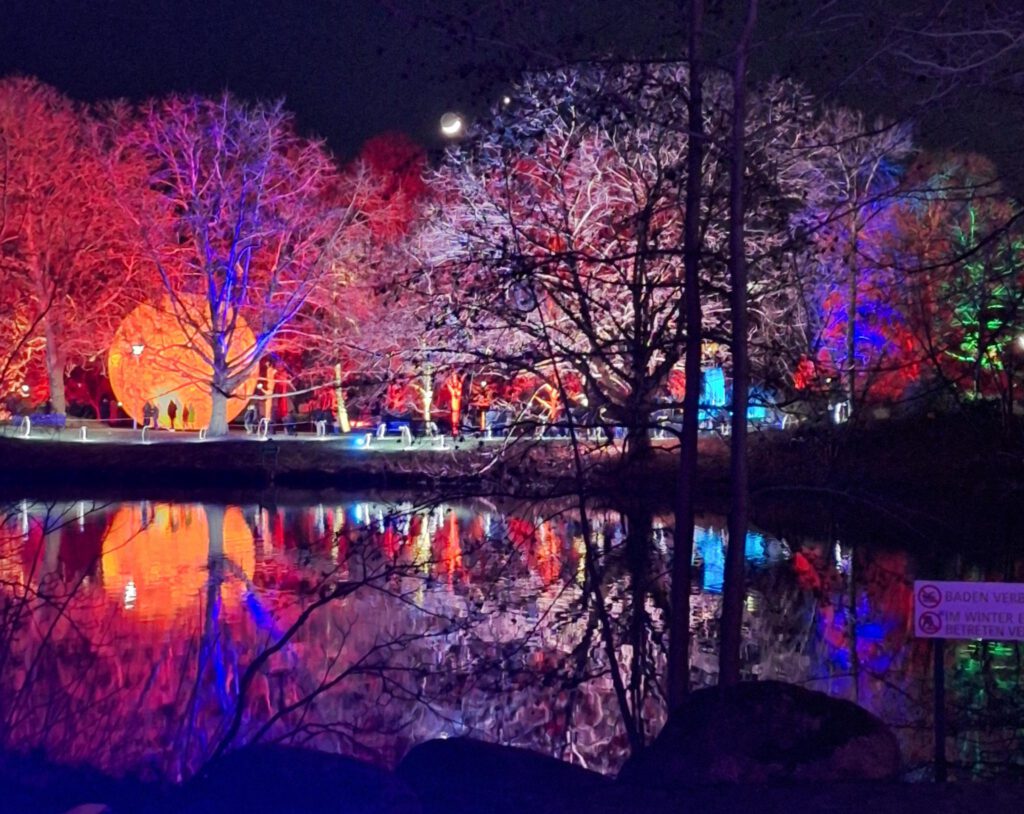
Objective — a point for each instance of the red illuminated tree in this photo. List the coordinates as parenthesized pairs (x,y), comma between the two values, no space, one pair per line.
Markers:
(68,270)
(251,216)
(360,326)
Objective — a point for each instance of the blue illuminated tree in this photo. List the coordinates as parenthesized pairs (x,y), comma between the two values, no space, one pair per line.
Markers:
(853,325)
(250,217)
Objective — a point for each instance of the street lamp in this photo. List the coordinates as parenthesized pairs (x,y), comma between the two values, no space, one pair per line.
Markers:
(137,348)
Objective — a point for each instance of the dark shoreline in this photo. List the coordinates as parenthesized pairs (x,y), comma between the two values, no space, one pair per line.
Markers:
(935,479)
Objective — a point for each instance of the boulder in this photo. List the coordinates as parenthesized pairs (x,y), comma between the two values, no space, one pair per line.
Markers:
(766,731)
(293,781)
(464,776)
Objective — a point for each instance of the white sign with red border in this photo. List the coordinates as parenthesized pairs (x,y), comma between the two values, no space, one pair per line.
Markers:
(969,610)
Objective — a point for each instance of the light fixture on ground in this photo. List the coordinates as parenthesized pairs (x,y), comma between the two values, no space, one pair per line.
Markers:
(452,125)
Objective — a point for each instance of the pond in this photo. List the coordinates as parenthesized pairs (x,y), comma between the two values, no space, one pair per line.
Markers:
(143,637)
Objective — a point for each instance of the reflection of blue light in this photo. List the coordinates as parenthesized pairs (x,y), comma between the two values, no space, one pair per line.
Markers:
(709,544)
(264,620)
(713,387)
(872,631)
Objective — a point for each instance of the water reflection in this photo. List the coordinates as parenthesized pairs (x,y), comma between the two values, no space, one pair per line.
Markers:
(156,556)
(147,636)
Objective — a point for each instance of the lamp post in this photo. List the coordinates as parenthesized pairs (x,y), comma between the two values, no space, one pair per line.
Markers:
(137,348)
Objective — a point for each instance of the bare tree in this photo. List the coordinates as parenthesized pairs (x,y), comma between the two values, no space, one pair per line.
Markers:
(853,176)
(734,589)
(558,239)
(252,216)
(66,260)
(678,680)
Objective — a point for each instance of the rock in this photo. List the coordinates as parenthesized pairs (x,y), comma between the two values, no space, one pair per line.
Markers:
(766,731)
(462,775)
(294,781)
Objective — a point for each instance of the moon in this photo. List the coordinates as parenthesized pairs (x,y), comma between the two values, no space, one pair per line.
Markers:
(451,124)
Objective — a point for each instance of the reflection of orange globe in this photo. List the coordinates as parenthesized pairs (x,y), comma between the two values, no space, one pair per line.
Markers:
(156,557)
(152,360)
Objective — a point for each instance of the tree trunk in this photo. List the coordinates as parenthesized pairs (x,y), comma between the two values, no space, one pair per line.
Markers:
(268,403)
(55,370)
(339,400)
(682,557)
(734,589)
(427,397)
(851,327)
(215,530)
(638,437)
(454,385)
(218,413)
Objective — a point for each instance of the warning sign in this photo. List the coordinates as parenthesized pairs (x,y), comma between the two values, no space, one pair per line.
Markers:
(969,610)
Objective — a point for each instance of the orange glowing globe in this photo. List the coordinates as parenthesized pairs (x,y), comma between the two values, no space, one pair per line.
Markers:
(152,359)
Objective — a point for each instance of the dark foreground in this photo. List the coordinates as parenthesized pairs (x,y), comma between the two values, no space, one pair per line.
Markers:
(312,783)
(760,746)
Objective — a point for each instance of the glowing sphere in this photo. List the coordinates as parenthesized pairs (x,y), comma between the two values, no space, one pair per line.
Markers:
(152,360)
(451,124)
(156,558)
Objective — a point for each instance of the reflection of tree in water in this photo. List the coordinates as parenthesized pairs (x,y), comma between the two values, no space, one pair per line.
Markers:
(368,627)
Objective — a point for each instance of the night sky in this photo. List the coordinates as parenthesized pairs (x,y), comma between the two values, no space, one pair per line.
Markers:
(352,68)
(348,68)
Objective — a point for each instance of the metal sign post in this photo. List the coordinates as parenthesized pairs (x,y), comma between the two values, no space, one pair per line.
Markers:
(963,610)
(939,683)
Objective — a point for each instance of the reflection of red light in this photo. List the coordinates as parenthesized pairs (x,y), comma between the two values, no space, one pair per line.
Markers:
(164,555)
(806,574)
(449,557)
(547,554)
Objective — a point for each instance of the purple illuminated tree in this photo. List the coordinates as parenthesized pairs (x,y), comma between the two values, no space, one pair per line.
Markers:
(557,241)
(853,171)
(250,217)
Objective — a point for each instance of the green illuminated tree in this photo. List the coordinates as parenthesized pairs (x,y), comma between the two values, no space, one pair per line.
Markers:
(962,249)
